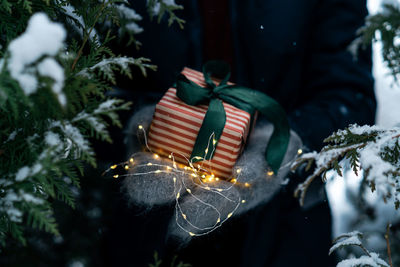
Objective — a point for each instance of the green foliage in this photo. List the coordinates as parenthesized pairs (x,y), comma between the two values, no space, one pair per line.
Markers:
(158,8)
(158,262)
(43,141)
(385,27)
(370,259)
(373,149)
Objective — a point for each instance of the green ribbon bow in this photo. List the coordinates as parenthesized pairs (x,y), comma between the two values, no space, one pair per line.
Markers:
(241,97)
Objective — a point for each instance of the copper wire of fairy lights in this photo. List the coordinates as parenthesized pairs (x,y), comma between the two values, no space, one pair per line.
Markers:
(201,178)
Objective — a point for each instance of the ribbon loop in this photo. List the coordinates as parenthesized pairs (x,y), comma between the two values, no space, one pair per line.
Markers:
(191,93)
(218,69)
(241,97)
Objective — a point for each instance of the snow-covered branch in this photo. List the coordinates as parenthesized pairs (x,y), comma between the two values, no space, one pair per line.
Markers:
(374,149)
(371,259)
(42,38)
(108,66)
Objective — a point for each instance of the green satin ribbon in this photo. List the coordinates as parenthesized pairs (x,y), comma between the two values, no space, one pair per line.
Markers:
(241,97)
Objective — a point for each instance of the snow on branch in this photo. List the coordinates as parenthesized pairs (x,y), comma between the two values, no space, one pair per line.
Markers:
(157,8)
(128,20)
(42,38)
(78,22)
(371,259)
(131,18)
(374,149)
(368,261)
(80,144)
(108,109)
(348,239)
(107,67)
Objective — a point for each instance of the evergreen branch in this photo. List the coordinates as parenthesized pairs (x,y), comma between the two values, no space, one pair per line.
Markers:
(64,193)
(373,149)
(159,7)
(332,162)
(44,144)
(107,67)
(108,109)
(103,6)
(384,26)
(42,218)
(348,239)
(16,232)
(371,259)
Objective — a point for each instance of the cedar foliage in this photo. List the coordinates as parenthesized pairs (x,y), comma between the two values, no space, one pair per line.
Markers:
(44,143)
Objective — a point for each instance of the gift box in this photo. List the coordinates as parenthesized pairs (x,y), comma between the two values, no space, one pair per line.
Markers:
(176,125)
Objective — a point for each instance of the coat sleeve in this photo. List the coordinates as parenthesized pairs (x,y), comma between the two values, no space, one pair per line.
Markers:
(338,88)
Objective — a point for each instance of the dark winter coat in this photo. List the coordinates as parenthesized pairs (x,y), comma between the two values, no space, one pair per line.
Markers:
(295,51)
(298,53)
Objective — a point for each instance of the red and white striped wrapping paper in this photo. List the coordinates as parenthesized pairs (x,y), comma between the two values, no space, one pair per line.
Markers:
(175,127)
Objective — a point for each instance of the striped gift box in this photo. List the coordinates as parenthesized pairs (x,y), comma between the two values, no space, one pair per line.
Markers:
(175,127)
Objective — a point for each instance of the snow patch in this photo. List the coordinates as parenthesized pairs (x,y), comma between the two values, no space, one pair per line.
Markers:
(52,139)
(157,7)
(22,174)
(353,239)
(50,68)
(128,13)
(134,28)
(373,261)
(41,38)
(30,198)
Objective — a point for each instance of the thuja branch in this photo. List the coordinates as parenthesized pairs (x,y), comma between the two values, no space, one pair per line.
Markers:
(373,149)
(87,35)
(332,163)
(355,239)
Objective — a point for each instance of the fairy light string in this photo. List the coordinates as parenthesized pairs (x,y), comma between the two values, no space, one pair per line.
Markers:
(200,178)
